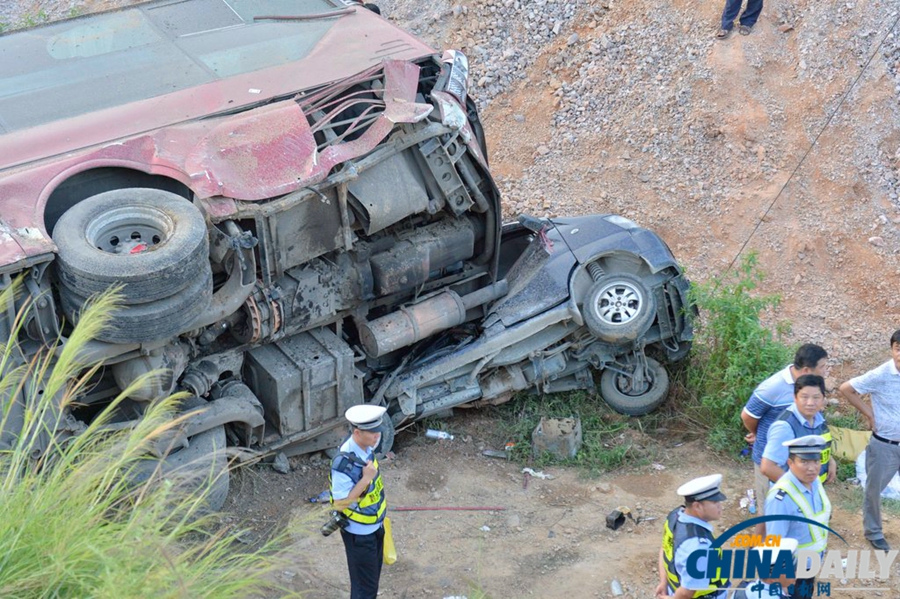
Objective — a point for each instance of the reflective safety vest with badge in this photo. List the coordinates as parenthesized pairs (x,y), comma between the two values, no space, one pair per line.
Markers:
(674,534)
(370,507)
(818,535)
(802,431)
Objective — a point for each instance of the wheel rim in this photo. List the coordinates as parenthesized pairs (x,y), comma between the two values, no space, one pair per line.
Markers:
(129,230)
(626,384)
(619,303)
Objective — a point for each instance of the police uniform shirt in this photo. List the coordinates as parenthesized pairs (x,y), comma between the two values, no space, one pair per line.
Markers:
(781,504)
(685,550)
(781,431)
(341,485)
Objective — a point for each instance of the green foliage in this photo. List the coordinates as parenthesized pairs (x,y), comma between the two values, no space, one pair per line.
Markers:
(845,470)
(74,522)
(848,417)
(609,440)
(733,351)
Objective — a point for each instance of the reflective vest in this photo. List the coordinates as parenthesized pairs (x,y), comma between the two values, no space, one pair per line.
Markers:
(674,534)
(818,535)
(801,431)
(371,505)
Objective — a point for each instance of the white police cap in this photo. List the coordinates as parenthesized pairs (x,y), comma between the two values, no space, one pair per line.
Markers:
(810,445)
(705,488)
(365,417)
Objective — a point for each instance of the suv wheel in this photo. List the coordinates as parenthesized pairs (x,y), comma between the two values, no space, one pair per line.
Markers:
(635,398)
(619,308)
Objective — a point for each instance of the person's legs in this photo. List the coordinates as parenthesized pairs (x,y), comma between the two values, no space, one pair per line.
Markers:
(364,559)
(761,488)
(882,463)
(730,13)
(751,13)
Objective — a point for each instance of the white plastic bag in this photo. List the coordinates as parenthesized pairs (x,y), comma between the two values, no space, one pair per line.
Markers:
(892,491)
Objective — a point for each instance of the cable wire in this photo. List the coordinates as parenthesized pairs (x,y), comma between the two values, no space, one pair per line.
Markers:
(837,109)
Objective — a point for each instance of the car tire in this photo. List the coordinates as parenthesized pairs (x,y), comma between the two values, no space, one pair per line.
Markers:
(162,319)
(614,388)
(619,308)
(388,432)
(202,466)
(93,236)
(673,357)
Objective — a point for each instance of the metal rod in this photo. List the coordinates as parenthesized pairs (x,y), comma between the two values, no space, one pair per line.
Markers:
(447,509)
(310,17)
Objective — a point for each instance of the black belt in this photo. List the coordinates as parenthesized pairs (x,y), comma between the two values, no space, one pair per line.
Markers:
(883,440)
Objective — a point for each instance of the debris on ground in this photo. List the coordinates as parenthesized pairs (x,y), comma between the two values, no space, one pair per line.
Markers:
(539,474)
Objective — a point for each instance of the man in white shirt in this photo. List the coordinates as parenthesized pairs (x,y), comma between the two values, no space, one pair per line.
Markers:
(883,452)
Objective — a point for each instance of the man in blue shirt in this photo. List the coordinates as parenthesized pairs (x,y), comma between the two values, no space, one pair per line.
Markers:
(358,493)
(686,530)
(800,493)
(801,418)
(769,400)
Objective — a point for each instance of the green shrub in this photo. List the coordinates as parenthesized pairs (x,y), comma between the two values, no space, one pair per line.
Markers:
(733,352)
(73,520)
(848,417)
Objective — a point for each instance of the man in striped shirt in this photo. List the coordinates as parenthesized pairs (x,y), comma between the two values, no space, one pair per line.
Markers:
(769,400)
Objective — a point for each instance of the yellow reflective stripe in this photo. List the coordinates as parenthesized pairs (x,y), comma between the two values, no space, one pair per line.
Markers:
(364,519)
(373,496)
(818,536)
(826,454)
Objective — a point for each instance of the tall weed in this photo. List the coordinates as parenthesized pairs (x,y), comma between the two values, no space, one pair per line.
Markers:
(733,351)
(73,521)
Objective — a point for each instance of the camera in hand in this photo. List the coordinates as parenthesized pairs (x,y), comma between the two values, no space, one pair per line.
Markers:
(337,520)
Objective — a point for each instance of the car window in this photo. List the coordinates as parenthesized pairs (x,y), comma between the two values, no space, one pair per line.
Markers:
(91,63)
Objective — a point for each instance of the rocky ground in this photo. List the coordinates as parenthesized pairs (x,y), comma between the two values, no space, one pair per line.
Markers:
(785,142)
(632,107)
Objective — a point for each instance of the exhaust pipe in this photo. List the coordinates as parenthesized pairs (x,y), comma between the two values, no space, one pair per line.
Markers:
(414,323)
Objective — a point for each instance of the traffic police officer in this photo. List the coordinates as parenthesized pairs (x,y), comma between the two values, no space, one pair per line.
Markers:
(800,419)
(799,492)
(686,530)
(358,491)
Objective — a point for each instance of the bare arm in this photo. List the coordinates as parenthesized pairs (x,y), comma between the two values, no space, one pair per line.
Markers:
(832,471)
(771,470)
(751,424)
(856,400)
(662,589)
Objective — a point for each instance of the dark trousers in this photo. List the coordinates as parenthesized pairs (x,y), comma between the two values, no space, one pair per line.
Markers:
(748,18)
(365,555)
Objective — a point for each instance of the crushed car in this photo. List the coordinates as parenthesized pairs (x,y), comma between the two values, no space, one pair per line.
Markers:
(296,200)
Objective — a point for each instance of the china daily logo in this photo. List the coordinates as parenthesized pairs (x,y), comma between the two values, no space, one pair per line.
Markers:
(755,556)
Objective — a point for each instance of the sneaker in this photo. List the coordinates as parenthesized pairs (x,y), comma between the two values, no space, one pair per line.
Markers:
(880,544)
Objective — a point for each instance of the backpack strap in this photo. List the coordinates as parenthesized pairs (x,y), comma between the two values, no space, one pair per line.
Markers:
(345,461)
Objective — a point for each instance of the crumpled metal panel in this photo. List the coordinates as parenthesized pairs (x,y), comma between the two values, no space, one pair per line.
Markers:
(271,151)
(10,250)
(253,155)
